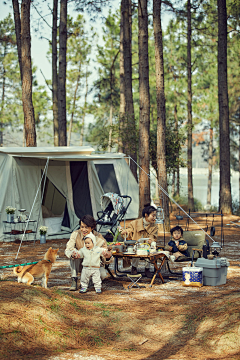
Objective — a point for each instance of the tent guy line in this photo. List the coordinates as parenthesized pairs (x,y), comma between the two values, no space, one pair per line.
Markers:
(166,193)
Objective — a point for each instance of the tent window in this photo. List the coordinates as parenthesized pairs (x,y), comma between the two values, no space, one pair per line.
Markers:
(107,177)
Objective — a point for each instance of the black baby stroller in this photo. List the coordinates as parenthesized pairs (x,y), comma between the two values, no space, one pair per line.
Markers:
(114,208)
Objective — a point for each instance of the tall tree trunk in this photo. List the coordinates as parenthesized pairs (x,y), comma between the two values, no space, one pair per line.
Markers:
(239,165)
(111,101)
(54,73)
(84,110)
(178,182)
(122,106)
(210,165)
(62,116)
(173,183)
(3,97)
(144,105)
(177,192)
(30,132)
(17,22)
(161,113)
(189,72)
(73,108)
(110,123)
(129,126)
(225,199)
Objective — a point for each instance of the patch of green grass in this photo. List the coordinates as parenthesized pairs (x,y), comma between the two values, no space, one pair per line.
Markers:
(55,307)
(83,332)
(97,340)
(40,319)
(47,331)
(52,332)
(72,296)
(117,333)
(72,330)
(190,319)
(106,313)
(32,291)
(129,349)
(115,320)
(102,306)
(77,307)
(74,304)
(59,292)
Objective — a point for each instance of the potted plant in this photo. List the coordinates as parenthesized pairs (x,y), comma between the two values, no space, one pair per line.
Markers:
(43,230)
(10,213)
(116,245)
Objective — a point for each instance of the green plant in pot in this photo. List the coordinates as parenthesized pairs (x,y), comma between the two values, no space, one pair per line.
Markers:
(10,213)
(43,231)
(115,240)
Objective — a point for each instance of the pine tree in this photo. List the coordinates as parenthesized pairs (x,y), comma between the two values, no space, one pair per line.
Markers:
(55,73)
(107,87)
(23,36)
(225,200)
(78,58)
(144,105)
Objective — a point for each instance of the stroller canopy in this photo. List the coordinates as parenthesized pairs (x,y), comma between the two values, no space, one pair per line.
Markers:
(116,200)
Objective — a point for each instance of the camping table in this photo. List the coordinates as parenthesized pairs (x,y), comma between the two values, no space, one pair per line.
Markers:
(154,257)
(12,229)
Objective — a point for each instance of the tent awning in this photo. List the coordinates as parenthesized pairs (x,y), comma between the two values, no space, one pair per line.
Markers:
(62,153)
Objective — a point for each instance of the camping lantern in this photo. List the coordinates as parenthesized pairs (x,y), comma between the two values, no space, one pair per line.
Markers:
(159,215)
(215,248)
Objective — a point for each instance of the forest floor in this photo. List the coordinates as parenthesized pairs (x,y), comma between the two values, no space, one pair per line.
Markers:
(167,321)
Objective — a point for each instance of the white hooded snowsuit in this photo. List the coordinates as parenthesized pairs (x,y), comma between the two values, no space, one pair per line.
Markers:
(91,264)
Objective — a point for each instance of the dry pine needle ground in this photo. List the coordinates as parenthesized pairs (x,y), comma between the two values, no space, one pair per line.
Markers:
(167,321)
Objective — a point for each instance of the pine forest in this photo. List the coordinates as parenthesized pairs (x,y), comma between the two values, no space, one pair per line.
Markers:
(152,79)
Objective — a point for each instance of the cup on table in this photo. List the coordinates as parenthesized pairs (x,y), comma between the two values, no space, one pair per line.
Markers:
(130,249)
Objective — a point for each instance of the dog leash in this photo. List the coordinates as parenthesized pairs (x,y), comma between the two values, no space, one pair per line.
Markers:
(31,263)
(10,266)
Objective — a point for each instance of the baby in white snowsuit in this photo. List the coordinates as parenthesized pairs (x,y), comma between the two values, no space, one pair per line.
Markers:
(91,263)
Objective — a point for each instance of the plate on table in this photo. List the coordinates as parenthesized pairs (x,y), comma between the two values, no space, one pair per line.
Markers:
(129,253)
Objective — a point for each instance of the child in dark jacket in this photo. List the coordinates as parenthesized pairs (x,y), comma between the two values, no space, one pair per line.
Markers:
(177,245)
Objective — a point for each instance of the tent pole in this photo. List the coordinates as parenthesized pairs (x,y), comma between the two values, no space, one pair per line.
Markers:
(41,200)
(32,209)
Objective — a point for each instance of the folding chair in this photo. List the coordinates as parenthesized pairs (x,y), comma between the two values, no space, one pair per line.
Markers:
(134,279)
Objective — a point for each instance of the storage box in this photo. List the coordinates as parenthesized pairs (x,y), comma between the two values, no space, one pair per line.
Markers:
(192,276)
(214,271)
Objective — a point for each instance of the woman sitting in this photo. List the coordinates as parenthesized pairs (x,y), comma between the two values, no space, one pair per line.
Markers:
(87,225)
(144,227)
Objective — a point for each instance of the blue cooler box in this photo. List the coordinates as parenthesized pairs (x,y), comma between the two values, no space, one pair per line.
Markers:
(192,276)
(214,271)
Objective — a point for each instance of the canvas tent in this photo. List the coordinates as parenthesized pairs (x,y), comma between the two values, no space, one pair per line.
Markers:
(75,180)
